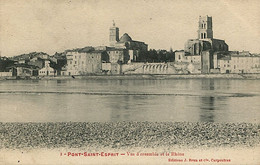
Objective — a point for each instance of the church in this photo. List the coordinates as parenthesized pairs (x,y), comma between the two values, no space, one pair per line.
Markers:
(126,42)
(205,40)
(201,50)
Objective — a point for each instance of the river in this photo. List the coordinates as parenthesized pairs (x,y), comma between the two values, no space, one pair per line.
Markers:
(178,100)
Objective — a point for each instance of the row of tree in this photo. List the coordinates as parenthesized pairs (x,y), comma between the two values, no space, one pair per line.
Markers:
(4,64)
(156,56)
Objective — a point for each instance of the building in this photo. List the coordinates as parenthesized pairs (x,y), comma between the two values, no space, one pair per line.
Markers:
(23,70)
(202,49)
(126,42)
(46,70)
(237,62)
(205,33)
(184,57)
(118,55)
(37,61)
(85,62)
(113,35)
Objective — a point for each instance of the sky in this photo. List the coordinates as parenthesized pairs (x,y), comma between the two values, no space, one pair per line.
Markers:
(54,26)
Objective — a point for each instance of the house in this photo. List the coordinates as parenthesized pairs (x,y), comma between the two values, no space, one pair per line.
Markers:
(240,62)
(23,70)
(47,70)
(85,62)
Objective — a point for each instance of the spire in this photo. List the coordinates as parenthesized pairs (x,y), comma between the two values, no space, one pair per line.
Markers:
(114,24)
(113,34)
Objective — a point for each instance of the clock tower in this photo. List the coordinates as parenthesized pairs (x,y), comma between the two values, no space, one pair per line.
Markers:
(205,28)
(113,34)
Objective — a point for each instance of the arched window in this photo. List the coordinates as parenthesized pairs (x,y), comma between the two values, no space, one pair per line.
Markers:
(201,35)
(204,35)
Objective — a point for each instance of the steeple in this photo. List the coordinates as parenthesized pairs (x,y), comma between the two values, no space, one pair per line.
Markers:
(114,24)
(114,34)
(205,28)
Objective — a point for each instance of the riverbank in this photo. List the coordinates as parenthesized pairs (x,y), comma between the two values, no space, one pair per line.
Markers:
(127,135)
(160,76)
(142,76)
(129,143)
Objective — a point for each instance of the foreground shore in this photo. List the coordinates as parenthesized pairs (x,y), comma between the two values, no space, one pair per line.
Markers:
(127,135)
(129,143)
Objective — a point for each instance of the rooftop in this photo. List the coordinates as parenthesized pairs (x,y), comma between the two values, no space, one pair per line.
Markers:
(125,38)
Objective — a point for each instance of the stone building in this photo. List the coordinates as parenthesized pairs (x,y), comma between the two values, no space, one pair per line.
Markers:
(84,62)
(202,49)
(237,62)
(118,55)
(126,42)
(37,61)
(46,70)
(184,57)
(23,70)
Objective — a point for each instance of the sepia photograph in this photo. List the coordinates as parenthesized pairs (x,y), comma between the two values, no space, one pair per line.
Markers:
(129,82)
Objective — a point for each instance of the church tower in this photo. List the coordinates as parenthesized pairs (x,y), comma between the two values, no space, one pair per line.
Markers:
(113,34)
(205,28)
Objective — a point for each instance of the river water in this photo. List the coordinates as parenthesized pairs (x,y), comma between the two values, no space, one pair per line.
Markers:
(190,100)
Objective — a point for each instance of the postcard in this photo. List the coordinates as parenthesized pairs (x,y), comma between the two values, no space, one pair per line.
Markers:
(129,82)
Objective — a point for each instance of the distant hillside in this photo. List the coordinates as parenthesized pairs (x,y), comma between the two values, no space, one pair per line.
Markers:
(81,50)
(28,56)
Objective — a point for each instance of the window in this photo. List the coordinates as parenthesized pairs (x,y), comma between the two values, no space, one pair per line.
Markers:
(201,35)
(70,62)
(204,35)
(75,62)
(179,57)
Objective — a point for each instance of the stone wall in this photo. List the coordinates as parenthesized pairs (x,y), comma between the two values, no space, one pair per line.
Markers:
(161,68)
(5,74)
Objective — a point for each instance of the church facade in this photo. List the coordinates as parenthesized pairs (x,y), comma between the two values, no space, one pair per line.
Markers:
(202,49)
(126,42)
(104,59)
(205,40)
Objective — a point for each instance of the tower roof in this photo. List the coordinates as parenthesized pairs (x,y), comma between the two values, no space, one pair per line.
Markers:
(125,38)
(114,24)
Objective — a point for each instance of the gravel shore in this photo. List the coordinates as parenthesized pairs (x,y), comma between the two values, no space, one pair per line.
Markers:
(124,135)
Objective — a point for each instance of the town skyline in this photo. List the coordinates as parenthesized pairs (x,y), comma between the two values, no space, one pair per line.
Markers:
(162,25)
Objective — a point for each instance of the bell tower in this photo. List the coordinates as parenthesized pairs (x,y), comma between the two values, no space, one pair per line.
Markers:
(113,34)
(205,28)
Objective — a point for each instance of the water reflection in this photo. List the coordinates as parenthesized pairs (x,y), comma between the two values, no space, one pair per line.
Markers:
(193,100)
(207,109)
